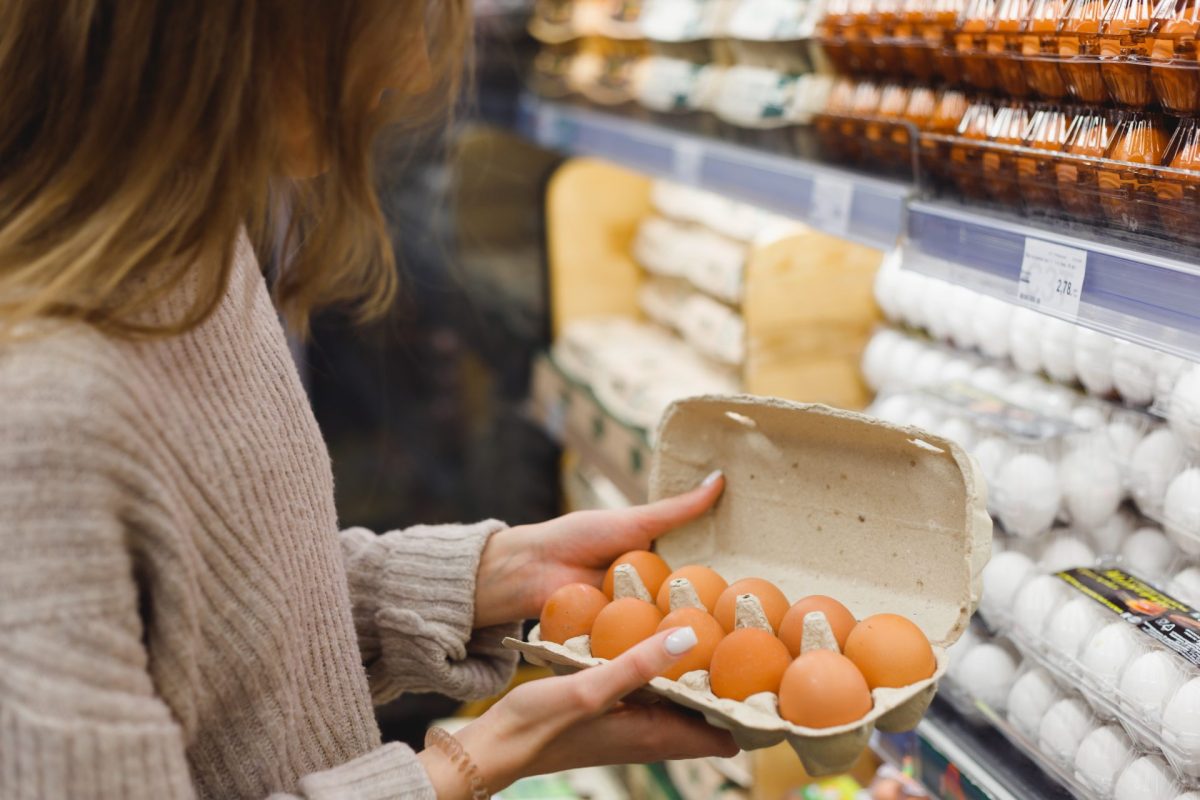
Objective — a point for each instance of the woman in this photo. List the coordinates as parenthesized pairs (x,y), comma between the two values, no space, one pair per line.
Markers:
(179,615)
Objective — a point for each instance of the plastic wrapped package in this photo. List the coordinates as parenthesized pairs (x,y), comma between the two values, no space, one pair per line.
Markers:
(1127,189)
(1004,43)
(970,44)
(1039,58)
(1125,50)
(1174,60)
(1047,131)
(1079,50)
(999,164)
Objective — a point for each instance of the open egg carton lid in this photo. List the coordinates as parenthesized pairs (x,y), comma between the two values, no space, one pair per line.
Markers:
(820,501)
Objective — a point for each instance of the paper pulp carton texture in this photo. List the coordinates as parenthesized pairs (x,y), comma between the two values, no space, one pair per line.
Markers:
(885,518)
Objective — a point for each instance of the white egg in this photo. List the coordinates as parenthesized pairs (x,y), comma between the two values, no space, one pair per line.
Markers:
(1028,495)
(877,358)
(1002,577)
(990,379)
(1058,350)
(958,370)
(1094,360)
(1091,486)
(1066,552)
(1135,371)
(957,430)
(1181,726)
(1102,756)
(1022,392)
(927,369)
(1148,553)
(1148,683)
(1054,400)
(1184,410)
(1181,508)
(1185,585)
(935,308)
(1170,368)
(1106,654)
(1073,626)
(906,353)
(1063,729)
(1148,778)
(960,318)
(1025,339)
(910,294)
(992,453)
(1029,700)
(1036,601)
(1156,460)
(1112,533)
(1088,416)
(924,418)
(987,673)
(992,319)
(887,285)
(957,651)
(1124,436)
(895,408)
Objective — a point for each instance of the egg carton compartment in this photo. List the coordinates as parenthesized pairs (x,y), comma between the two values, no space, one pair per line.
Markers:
(1132,173)
(891,38)
(980,671)
(873,126)
(711,262)
(1131,649)
(774,22)
(678,89)
(711,327)
(685,21)
(814,497)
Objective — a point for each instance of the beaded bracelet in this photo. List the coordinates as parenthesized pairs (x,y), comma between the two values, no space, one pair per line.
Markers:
(452,748)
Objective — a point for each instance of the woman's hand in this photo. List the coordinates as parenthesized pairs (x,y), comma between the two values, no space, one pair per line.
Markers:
(556,724)
(521,566)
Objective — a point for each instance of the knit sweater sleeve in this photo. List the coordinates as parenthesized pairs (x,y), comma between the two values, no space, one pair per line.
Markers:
(80,716)
(413,594)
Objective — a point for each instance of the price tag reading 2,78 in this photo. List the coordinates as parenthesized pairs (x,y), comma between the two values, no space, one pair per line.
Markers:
(1052,276)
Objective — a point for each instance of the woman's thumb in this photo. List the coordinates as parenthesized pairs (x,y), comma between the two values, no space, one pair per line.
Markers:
(634,668)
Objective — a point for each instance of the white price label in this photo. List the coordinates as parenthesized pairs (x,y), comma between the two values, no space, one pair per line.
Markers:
(688,158)
(832,199)
(548,127)
(1052,276)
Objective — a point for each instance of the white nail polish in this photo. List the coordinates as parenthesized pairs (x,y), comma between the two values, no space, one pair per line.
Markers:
(680,641)
(712,478)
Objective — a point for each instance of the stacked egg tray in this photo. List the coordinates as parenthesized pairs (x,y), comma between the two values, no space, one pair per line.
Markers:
(1131,649)
(743,69)
(1134,172)
(811,496)
(1052,457)
(989,681)
(1130,53)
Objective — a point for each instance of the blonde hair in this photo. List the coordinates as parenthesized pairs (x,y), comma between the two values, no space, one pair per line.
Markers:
(137,137)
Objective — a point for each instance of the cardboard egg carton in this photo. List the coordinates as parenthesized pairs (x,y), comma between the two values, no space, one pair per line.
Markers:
(884,518)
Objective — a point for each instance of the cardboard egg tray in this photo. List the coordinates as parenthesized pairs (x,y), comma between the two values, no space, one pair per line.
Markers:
(884,518)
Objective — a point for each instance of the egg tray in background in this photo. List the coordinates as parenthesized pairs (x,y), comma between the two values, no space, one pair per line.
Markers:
(1093,455)
(1105,365)
(1052,724)
(1124,673)
(818,500)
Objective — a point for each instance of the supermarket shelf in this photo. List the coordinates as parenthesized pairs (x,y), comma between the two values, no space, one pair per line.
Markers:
(1122,288)
(571,415)
(954,759)
(857,207)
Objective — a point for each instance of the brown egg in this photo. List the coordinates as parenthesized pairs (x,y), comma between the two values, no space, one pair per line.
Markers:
(791,630)
(707,583)
(570,612)
(621,624)
(746,662)
(649,566)
(890,651)
(708,634)
(774,602)
(822,689)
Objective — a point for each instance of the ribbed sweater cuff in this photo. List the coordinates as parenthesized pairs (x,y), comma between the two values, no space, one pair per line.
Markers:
(386,773)
(425,611)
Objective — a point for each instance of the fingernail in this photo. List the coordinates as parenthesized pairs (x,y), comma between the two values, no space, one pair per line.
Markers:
(712,478)
(680,641)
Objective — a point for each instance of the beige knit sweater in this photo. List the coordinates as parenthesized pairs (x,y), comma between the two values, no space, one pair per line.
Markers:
(179,616)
